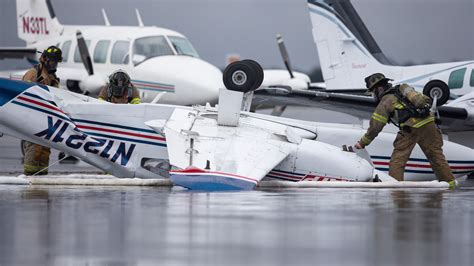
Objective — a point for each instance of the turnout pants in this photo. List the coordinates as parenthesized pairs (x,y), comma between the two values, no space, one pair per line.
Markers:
(430,140)
(36,158)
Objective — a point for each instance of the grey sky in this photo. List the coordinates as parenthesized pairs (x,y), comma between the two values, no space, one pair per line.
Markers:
(416,31)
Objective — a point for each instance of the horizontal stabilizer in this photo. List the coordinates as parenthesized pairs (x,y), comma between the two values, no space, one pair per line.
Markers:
(16,52)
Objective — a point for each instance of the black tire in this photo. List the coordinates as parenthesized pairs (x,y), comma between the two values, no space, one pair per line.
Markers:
(242,76)
(439,88)
(258,69)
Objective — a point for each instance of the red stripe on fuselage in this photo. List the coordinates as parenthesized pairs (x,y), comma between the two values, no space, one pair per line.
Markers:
(49,106)
(120,132)
(203,172)
(286,175)
(152,86)
(428,166)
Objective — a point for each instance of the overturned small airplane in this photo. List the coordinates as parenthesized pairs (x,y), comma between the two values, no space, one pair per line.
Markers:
(203,147)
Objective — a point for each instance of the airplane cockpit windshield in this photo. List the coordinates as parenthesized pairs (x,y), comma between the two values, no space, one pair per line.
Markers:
(183,46)
(153,46)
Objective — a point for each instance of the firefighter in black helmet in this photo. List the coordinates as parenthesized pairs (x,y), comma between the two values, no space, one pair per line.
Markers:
(37,156)
(120,89)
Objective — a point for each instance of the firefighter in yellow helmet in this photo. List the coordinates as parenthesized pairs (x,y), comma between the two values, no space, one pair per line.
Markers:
(37,156)
(120,89)
(410,111)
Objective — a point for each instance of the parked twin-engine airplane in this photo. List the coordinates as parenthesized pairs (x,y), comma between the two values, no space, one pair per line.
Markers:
(348,53)
(163,63)
(202,147)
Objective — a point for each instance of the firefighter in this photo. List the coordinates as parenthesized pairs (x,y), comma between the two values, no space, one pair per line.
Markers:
(410,111)
(119,89)
(36,156)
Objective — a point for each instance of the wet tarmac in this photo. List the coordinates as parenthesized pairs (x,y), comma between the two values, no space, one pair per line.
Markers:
(42,225)
(81,225)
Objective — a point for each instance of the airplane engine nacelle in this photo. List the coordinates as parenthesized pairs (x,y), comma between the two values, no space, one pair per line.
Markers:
(328,162)
(297,84)
(243,76)
(92,84)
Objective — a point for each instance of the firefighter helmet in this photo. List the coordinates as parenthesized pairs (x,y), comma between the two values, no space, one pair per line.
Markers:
(373,79)
(119,81)
(53,53)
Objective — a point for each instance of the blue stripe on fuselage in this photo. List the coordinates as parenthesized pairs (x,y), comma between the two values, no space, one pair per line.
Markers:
(421,160)
(9,89)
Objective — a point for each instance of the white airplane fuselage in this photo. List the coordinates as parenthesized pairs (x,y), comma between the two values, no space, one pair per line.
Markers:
(346,61)
(178,78)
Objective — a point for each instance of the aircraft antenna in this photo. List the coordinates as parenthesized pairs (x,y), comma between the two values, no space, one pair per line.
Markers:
(139,18)
(106,19)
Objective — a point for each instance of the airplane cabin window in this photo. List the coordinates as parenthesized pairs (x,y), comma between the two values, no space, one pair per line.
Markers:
(183,46)
(471,82)
(100,53)
(149,47)
(120,53)
(77,55)
(65,50)
(456,78)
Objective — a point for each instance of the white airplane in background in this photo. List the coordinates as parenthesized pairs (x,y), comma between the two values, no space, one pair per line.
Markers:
(162,63)
(348,53)
(203,147)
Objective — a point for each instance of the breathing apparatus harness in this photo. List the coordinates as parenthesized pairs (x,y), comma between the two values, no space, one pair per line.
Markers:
(409,111)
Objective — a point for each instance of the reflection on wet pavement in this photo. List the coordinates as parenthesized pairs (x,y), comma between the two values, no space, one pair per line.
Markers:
(41,225)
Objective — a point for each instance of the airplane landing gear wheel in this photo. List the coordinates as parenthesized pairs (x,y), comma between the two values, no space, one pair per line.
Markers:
(439,89)
(258,70)
(244,76)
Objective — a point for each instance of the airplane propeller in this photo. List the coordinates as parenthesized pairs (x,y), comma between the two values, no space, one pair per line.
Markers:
(297,80)
(284,54)
(93,82)
(84,52)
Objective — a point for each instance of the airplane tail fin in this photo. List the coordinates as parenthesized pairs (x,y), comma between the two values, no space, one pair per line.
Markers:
(36,20)
(347,51)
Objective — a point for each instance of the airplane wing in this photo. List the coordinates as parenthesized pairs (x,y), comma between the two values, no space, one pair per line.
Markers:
(205,156)
(355,105)
(16,52)
(452,118)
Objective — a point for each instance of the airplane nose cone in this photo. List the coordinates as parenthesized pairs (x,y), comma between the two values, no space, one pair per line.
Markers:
(330,161)
(460,158)
(192,80)
(206,80)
